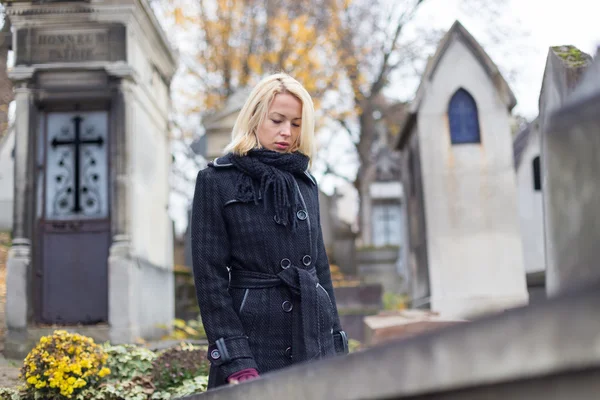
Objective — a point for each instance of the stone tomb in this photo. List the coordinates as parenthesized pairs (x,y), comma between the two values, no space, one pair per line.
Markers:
(569,146)
(92,248)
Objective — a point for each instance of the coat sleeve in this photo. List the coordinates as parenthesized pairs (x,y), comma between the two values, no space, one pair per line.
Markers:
(228,344)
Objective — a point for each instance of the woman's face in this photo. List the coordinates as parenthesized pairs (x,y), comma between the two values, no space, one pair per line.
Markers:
(281,128)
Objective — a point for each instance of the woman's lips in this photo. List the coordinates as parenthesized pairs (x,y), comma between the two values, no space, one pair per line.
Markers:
(282,145)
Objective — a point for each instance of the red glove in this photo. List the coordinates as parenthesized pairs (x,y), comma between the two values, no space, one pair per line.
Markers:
(243,375)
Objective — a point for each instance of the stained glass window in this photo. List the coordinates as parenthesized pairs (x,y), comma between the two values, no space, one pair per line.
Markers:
(464,121)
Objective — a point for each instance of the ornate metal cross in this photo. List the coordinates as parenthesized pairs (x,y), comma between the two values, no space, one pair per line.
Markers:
(77,142)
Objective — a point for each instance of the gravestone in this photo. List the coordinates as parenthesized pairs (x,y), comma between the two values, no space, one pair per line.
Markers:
(354,303)
(92,248)
(569,146)
(379,266)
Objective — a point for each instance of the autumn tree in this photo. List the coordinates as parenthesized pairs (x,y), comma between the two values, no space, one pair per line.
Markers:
(238,41)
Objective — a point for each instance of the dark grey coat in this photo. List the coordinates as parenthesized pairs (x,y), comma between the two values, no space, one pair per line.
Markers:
(264,291)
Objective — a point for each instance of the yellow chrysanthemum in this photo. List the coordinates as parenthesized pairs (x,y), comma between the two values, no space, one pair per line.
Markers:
(103,372)
(63,363)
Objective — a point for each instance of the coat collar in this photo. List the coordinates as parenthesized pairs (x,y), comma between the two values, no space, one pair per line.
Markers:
(222,162)
(225,162)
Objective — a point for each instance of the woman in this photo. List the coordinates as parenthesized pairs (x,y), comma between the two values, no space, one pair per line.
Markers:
(262,276)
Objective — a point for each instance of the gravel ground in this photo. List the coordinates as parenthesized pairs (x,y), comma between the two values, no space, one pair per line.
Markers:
(9,373)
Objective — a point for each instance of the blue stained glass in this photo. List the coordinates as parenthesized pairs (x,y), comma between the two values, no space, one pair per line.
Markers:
(463,118)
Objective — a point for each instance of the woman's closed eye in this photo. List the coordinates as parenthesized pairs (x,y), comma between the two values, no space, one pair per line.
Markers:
(277,122)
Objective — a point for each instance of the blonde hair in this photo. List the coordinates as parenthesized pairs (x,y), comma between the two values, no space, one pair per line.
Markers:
(254,112)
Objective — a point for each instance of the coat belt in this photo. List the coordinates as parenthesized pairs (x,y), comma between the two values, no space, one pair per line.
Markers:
(301,282)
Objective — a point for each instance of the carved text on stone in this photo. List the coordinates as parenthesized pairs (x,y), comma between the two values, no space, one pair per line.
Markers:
(73,47)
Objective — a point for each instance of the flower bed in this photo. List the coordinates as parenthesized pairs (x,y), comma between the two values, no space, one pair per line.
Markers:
(71,366)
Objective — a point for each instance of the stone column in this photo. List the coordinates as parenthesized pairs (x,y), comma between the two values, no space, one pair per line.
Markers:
(19,256)
(23,185)
(122,305)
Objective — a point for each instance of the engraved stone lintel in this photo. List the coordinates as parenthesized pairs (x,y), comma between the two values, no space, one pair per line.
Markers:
(99,42)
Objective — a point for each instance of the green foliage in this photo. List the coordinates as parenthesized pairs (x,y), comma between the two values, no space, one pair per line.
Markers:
(176,365)
(138,388)
(354,345)
(394,301)
(196,384)
(378,248)
(9,394)
(135,369)
(128,361)
(572,55)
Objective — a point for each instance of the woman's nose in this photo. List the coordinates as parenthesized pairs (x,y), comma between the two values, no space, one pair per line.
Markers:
(286,129)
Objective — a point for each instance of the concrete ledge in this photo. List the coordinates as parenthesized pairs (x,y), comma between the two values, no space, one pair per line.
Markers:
(558,337)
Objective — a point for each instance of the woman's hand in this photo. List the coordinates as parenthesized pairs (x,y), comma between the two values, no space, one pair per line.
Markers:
(243,375)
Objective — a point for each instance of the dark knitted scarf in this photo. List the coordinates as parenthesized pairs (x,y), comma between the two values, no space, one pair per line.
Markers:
(274,173)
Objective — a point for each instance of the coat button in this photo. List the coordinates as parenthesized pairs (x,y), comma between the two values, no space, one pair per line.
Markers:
(276,219)
(285,263)
(306,260)
(288,353)
(215,355)
(287,306)
(302,215)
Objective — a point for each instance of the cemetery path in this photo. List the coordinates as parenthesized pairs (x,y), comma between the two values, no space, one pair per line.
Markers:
(9,373)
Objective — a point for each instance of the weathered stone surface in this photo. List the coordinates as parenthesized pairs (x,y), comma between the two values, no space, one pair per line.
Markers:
(17,271)
(570,145)
(363,296)
(388,326)
(64,44)
(356,302)
(378,266)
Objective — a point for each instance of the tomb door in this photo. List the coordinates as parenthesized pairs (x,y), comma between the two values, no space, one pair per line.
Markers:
(74,223)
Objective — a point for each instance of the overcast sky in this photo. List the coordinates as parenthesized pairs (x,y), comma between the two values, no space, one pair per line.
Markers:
(537,25)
